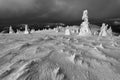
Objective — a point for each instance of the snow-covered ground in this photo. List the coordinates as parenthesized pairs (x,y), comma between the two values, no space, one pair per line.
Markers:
(50,55)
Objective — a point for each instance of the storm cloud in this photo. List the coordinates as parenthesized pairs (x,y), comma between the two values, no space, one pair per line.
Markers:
(58,9)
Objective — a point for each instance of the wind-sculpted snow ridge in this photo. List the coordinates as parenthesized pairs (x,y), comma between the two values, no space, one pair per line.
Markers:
(59,57)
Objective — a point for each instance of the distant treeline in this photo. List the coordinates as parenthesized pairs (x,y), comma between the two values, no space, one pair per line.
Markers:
(41,26)
(15,27)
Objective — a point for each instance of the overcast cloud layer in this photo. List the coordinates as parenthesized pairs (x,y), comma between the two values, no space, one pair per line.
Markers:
(58,9)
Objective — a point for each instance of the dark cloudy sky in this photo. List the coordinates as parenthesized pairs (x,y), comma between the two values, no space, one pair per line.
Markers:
(56,10)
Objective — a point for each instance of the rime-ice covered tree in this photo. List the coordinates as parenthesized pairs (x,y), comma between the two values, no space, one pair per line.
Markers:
(11,30)
(85,30)
(26,30)
(67,32)
(104,31)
